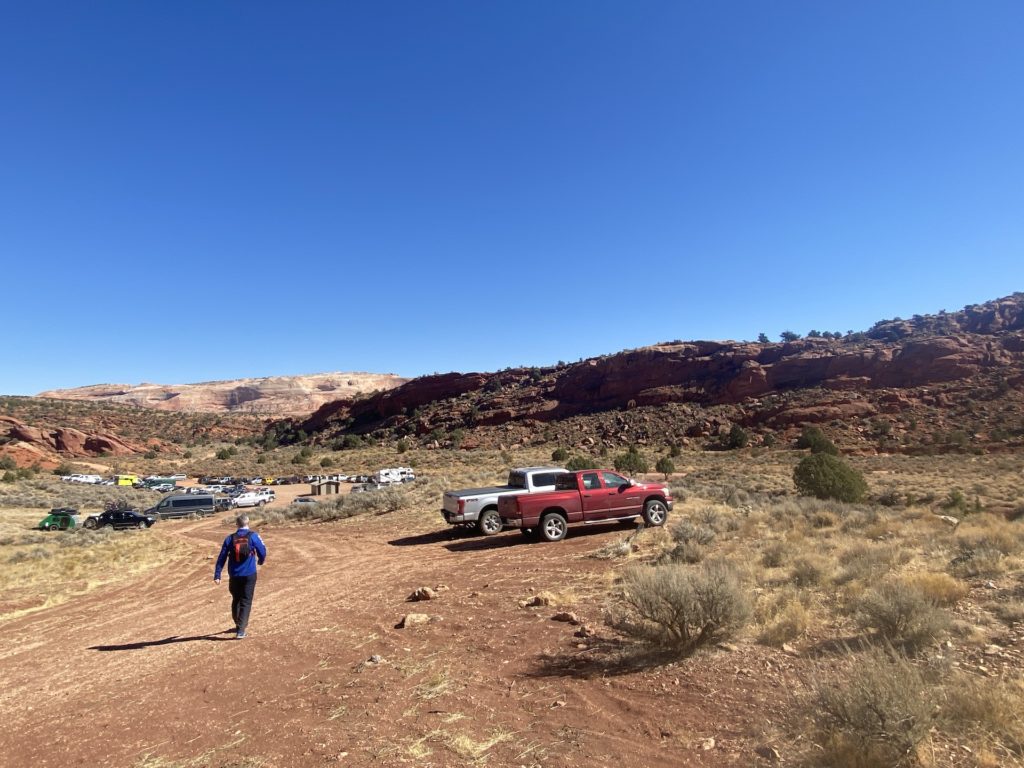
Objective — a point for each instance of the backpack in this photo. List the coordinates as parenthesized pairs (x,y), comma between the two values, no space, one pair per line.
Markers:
(241,547)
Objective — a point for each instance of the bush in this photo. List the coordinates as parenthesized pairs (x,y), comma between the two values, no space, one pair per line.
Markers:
(187,455)
(631,461)
(576,463)
(351,441)
(665,466)
(680,608)
(8,462)
(827,477)
(559,455)
(326,461)
(223,454)
(901,614)
(9,477)
(877,715)
(737,438)
(815,439)
(402,446)
(149,455)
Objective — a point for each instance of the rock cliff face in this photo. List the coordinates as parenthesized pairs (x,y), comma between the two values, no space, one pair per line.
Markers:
(273,396)
(39,444)
(972,345)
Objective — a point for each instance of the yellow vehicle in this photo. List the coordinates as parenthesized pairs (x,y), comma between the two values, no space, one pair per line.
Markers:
(268,481)
(128,480)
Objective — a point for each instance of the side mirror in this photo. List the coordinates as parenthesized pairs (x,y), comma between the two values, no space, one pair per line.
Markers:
(632,482)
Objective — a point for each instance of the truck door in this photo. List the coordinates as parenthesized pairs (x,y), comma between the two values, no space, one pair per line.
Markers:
(623,499)
(594,496)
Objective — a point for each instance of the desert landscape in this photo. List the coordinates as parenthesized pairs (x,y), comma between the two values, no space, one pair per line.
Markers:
(840,581)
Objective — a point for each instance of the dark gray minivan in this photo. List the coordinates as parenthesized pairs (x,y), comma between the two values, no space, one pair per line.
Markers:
(183,505)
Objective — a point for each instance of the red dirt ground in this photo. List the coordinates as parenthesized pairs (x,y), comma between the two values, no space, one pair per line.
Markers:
(143,674)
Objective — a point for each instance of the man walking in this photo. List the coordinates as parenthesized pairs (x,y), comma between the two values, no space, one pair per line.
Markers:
(242,551)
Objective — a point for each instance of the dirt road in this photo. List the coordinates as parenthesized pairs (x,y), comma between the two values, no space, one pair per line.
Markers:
(145,674)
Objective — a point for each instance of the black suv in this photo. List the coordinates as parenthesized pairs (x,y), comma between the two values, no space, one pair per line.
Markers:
(127,518)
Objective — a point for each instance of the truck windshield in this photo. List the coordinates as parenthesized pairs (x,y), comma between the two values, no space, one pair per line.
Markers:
(517,480)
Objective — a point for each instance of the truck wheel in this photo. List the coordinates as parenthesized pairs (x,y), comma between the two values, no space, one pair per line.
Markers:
(489,522)
(54,527)
(655,512)
(90,524)
(553,527)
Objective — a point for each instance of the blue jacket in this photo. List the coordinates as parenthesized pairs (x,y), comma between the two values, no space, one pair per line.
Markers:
(257,553)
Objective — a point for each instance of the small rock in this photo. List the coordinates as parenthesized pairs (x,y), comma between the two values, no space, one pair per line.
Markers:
(566,616)
(787,648)
(441,588)
(728,647)
(768,753)
(412,619)
(992,650)
(375,659)
(557,704)
(949,519)
(538,600)
(990,585)
(422,593)
(707,745)
(583,631)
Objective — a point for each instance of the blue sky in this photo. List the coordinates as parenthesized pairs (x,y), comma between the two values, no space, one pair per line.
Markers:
(202,190)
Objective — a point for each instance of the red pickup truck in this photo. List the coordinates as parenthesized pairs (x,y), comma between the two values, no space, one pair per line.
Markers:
(588,496)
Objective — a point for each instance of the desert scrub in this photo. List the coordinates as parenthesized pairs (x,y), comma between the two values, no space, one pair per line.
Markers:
(866,562)
(902,614)
(989,713)
(680,608)
(340,507)
(783,617)
(690,540)
(828,477)
(812,570)
(874,716)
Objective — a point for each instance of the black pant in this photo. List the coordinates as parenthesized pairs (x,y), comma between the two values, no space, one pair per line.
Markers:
(241,589)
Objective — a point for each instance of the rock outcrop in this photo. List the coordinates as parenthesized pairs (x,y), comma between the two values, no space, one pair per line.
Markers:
(43,445)
(273,396)
(980,341)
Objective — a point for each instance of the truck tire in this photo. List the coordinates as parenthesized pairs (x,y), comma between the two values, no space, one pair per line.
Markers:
(489,522)
(553,527)
(655,512)
(89,524)
(54,527)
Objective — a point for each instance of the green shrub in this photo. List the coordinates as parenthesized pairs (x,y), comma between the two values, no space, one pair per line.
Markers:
(149,455)
(576,463)
(9,477)
(223,454)
(351,441)
(402,446)
(559,455)
(827,477)
(665,466)
(326,461)
(187,455)
(737,438)
(631,461)
(815,439)
(8,462)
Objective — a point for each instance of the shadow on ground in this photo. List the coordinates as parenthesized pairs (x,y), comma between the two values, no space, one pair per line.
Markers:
(165,641)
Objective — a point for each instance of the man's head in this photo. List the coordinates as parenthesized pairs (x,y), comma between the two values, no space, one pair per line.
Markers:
(242,521)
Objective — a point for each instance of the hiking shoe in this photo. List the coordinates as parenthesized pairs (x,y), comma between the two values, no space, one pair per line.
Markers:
(240,635)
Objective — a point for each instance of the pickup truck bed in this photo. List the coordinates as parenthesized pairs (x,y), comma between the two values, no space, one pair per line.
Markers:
(478,507)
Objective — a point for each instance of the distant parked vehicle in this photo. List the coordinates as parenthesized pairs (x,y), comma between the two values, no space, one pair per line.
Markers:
(183,505)
(302,500)
(252,499)
(77,478)
(60,519)
(126,518)
(164,488)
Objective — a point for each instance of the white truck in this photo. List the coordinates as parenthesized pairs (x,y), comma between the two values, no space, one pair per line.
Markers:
(478,507)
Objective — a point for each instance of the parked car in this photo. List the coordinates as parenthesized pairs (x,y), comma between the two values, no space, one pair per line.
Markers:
(304,500)
(589,496)
(251,499)
(163,488)
(478,507)
(184,504)
(60,519)
(222,504)
(125,518)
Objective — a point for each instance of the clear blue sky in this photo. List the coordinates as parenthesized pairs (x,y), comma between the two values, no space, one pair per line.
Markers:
(203,190)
